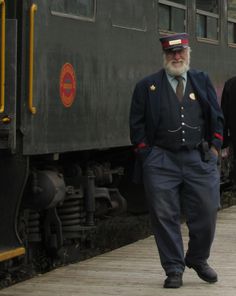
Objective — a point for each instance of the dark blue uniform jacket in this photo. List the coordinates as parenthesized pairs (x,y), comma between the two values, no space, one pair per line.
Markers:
(145,108)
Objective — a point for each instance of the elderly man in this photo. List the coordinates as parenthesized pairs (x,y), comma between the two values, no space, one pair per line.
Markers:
(176,126)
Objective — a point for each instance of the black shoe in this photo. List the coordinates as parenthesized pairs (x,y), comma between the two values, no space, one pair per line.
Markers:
(173,280)
(204,271)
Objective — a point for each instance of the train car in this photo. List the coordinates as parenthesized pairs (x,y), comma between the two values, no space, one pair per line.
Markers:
(68,69)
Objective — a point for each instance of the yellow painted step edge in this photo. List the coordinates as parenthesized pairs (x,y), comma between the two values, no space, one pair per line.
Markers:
(5,255)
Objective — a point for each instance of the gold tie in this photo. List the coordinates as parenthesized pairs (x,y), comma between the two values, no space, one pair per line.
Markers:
(179,88)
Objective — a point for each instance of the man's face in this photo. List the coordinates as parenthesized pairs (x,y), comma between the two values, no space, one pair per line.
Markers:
(176,62)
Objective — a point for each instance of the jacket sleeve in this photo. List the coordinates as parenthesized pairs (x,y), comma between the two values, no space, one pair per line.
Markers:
(137,116)
(217,118)
(225,109)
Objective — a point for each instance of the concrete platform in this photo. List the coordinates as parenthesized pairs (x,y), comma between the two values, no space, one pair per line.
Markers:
(135,270)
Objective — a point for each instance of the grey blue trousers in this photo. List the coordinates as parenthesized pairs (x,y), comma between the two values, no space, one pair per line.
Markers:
(175,183)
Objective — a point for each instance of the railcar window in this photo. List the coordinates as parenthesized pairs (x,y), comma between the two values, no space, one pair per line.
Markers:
(76,9)
(207,19)
(172,16)
(231,21)
(129,14)
(207,5)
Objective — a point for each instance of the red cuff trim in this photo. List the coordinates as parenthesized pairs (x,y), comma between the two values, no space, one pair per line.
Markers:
(218,136)
(141,145)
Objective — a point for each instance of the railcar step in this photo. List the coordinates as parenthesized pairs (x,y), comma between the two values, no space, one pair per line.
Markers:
(11,253)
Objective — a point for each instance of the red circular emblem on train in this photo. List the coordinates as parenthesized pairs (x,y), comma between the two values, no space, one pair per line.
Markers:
(67,85)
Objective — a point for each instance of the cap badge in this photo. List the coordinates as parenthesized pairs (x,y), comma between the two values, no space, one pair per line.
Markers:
(192,96)
(175,42)
(152,87)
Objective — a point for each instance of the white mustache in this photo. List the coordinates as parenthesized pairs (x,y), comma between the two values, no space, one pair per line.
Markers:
(177,61)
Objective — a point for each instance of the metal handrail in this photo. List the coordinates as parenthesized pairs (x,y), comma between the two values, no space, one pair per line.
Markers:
(31,58)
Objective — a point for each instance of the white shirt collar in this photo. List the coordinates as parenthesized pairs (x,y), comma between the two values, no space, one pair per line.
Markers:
(184,75)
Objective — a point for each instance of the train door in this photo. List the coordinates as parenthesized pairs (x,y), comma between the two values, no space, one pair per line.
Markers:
(8,72)
(13,169)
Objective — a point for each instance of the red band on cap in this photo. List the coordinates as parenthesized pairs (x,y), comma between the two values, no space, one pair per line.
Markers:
(167,44)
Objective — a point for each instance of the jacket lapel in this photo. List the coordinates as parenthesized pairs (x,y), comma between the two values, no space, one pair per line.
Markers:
(198,87)
(154,89)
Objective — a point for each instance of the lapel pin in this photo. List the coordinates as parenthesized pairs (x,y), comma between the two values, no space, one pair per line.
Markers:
(152,87)
(192,96)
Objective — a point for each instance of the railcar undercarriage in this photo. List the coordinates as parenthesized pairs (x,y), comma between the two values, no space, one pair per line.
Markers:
(71,211)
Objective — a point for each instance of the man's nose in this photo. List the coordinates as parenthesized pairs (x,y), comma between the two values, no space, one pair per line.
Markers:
(177,55)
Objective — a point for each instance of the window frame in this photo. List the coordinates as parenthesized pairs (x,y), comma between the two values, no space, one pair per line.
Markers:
(118,24)
(175,5)
(230,20)
(76,17)
(211,15)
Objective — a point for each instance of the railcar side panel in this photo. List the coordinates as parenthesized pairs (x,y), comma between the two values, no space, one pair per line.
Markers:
(106,66)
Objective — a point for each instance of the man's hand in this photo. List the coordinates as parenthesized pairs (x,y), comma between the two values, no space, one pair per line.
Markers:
(225,152)
(214,151)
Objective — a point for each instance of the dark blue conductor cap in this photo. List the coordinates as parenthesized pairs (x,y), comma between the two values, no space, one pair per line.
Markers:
(175,41)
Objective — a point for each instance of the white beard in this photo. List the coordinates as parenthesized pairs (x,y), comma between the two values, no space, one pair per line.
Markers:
(176,71)
(173,71)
